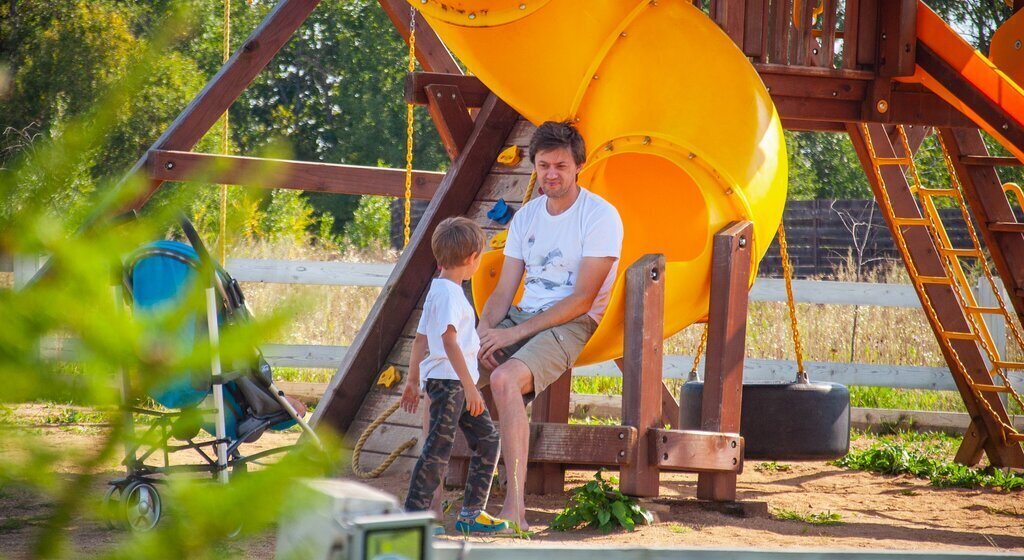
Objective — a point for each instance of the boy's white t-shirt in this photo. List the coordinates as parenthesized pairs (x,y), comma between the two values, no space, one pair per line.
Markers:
(446,304)
(553,246)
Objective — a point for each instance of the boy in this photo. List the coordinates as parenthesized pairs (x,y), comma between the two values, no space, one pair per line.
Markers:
(447,328)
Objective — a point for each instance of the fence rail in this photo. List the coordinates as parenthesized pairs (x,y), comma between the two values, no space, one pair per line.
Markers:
(676,366)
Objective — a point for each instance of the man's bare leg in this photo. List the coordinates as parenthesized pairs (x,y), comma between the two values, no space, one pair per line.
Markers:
(509,382)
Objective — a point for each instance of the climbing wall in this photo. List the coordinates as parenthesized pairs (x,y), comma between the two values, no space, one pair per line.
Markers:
(503,182)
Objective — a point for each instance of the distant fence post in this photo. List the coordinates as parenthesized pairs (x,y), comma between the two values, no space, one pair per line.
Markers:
(996,323)
(25,267)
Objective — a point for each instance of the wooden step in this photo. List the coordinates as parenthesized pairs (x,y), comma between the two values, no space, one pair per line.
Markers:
(937,191)
(979,309)
(892,161)
(961,253)
(991,388)
(1009,227)
(944,280)
(953,335)
(1009,365)
(923,222)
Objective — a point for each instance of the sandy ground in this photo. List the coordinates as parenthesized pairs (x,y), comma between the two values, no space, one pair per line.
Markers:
(877,512)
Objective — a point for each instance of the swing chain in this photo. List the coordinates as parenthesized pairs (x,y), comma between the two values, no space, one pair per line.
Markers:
(409,116)
(696,358)
(787,273)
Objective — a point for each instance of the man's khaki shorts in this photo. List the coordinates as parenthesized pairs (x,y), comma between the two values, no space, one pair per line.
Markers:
(548,353)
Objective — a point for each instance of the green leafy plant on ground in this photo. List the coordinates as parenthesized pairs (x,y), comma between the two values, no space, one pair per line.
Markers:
(599,505)
(814,518)
(924,456)
(773,466)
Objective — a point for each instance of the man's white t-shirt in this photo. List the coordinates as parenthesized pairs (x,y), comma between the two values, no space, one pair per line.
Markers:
(446,304)
(553,246)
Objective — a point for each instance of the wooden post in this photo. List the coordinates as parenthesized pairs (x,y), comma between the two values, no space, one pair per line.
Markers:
(642,369)
(727,328)
(551,406)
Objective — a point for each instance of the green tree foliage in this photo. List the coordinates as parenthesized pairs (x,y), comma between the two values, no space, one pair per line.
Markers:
(824,165)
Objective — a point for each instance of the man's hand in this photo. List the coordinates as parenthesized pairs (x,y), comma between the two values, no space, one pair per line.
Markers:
(474,400)
(411,395)
(495,340)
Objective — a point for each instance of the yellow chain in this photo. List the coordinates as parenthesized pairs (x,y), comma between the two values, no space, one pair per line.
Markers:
(224,147)
(919,285)
(700,351)
(787,274)
(409,116)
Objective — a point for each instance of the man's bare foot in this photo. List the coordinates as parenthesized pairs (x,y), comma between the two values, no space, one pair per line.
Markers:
(517,520)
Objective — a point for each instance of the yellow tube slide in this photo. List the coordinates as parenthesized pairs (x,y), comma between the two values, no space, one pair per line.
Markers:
(682,136)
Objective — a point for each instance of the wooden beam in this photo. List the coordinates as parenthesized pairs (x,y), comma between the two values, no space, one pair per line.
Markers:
(451,117)
(998,119)
(897,39)
(642,368)
(727,327)
(473,91)
(168,165)
(414,270)
(574,444)
(431,53)
(696,451)
(221,91)
(550,407)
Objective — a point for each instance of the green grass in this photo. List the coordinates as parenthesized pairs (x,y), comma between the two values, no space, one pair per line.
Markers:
(679,529)
(924,455)
(772,467)
(814,518)
(906,399)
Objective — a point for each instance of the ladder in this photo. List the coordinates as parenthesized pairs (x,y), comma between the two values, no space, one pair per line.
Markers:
(937,272)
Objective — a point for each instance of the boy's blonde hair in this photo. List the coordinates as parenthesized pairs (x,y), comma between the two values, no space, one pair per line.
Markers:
(455,240)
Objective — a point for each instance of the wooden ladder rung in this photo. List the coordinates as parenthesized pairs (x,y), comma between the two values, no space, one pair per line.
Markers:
(1015,436)
(990,161)
(1011,227)
(912,222)
(953,335)
(991,388)
(961,253)
(892,161)
(945,280)
(937,192)
(1008,365)
(980,309)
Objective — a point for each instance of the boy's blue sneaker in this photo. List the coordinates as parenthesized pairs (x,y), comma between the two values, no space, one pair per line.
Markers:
(482,523)
(438,530)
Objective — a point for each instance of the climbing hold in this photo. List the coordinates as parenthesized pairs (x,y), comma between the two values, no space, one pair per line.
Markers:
(501,212)
(498,241)
(389,377)
(510,156)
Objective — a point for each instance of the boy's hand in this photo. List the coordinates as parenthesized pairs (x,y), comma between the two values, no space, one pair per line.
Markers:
(474,401)
(411,395)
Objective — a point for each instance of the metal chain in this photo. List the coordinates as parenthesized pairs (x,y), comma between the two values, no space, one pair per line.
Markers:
(787,274)
(696,358)
(926,302)
(409,116)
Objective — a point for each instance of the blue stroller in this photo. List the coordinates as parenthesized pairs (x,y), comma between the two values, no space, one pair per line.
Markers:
(235,406)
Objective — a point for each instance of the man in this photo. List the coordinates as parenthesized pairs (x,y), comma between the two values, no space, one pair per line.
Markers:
(567,243)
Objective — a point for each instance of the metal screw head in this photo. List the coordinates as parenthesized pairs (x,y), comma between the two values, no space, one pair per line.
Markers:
(734,444)
(664,439)
(734,461)
(622,453)
(647,140)
(884,36)
(596,77)
(882,105)
(472,16)
(654,274)
(622,435)
(1016,44)
(1006,126)
(665,456)
(814,51)
(623,34)
(522,6)
(169,165)
(743,243)
(609,147)
(835,93)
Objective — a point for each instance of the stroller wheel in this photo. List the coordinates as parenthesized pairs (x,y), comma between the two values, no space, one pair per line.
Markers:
(142,506)
(111,499)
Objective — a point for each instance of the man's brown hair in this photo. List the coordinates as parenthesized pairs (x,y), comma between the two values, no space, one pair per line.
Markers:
(553,135)
(455,240)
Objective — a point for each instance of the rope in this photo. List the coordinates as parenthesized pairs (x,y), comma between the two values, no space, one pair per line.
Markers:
(224,147)
(529,188)
(409,117)
(391,458)
(787,273)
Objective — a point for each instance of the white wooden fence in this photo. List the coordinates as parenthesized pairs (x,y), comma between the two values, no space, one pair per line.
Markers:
(676,366)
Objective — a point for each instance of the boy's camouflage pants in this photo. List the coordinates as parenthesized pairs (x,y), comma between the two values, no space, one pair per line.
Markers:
(448,409)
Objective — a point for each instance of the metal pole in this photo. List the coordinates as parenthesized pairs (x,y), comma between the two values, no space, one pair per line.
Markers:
(218,387)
